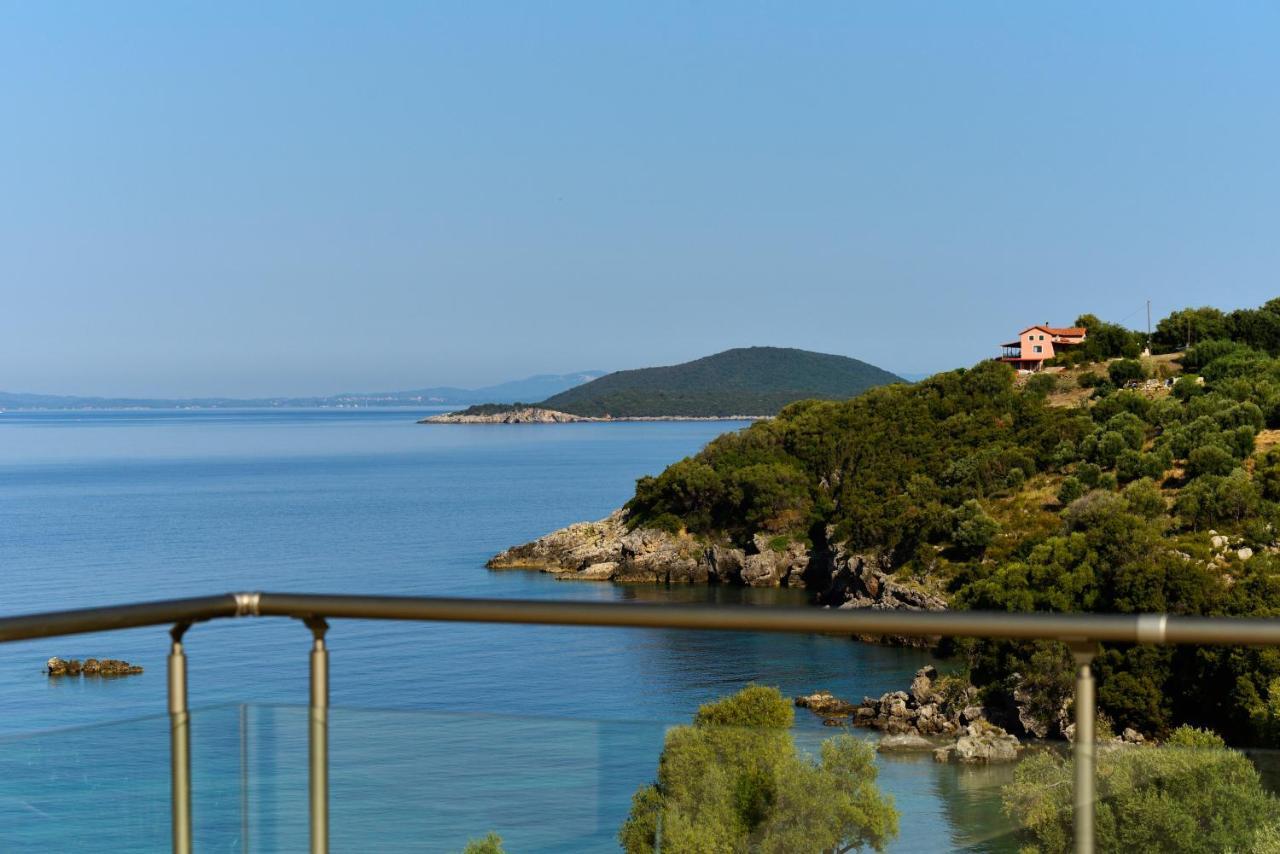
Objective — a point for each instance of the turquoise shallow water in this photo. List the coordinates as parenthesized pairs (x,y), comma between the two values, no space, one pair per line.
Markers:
(445,731)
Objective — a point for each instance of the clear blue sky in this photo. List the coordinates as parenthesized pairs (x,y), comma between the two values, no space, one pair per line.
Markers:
(225,198)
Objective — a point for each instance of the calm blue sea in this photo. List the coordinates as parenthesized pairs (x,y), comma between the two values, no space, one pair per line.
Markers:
(444,732)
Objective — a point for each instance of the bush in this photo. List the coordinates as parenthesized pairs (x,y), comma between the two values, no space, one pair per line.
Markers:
(1209,460)
(1145,499)
(1042,385)
(1070,490)
(1125,371)
(1090,380)
(1189,795)
(734,781)
(972,529)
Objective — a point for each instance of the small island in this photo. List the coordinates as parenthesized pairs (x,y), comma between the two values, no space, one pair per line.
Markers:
(747,383)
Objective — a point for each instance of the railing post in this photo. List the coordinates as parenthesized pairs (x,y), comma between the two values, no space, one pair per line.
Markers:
(1085,750)
(319,736)
(179,743)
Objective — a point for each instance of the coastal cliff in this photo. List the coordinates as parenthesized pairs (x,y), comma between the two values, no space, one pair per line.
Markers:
(608,550)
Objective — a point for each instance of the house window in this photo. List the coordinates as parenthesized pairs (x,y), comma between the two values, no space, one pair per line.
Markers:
(1039,349)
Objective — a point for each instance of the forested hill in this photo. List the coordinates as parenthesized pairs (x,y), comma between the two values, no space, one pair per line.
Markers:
(1119,485)
(743,381)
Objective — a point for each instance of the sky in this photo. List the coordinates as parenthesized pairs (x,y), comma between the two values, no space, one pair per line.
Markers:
(310,198)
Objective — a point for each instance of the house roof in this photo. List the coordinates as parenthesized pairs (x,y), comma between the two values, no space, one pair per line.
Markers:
(1069,331)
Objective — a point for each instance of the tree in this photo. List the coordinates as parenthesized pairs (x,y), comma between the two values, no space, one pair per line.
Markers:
(1209,460)
(973,529)
(1190,325)
(735,782)
(1189,795)
(1126,371)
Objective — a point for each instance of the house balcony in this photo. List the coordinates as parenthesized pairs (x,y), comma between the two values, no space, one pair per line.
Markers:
(291,778)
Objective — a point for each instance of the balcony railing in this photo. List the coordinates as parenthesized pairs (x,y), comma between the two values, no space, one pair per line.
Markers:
(1081,632)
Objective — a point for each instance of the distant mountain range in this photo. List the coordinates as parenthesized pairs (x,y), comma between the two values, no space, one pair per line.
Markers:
(535,387)
(745,381)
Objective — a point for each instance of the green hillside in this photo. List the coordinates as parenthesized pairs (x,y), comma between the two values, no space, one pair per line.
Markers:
(1108,488)
(743,381)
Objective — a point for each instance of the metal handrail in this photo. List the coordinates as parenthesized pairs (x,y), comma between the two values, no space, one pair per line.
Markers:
(1082,632)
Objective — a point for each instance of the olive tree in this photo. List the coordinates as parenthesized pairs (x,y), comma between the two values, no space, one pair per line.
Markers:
(735,782)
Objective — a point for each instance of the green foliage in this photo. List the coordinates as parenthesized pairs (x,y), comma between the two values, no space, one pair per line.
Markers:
(1070,490)
(1042,385)
(952,478)
(1188,326)
(735,782)
(972,529)
(1189,795)
(1124,371)
(490,844)
(1145,499)
(1106,341)
(1210,459)
(1089,379)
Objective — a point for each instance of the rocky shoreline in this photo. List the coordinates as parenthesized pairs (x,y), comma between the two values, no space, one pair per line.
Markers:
(90,667)
(608,550)
(938,715)
(537,415)
(944,715)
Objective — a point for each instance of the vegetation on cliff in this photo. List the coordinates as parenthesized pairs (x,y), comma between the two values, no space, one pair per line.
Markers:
(1030,496)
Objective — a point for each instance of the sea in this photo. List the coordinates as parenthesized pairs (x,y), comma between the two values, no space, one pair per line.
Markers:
(440,733)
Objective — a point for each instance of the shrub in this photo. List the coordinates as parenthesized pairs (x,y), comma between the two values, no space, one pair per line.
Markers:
(734,781)
(1070,490)
(1089,380)
(1189,795)
(972,529)
(1124,371)
(1209,460)
(1145,498)
(1042,385)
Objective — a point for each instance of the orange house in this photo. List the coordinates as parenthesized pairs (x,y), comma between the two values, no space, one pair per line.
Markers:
(1038,343)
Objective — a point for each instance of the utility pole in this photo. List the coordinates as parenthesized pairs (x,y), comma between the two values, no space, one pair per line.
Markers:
(1148,327)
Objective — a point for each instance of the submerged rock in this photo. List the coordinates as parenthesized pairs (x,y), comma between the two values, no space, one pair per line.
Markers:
(905,742)
(826,704)
(90,667)
(984,742)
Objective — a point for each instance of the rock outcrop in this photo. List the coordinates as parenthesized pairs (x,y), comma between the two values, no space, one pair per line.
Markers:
(933,706)
(90,667)
(985,742)
(826,704)
(918,720)
(608,550)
